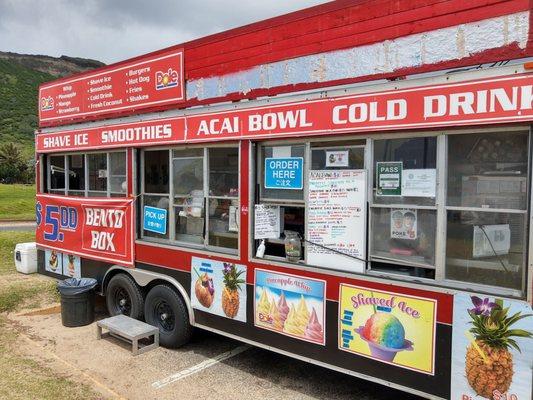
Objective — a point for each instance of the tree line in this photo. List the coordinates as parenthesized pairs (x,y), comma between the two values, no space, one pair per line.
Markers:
(14,167)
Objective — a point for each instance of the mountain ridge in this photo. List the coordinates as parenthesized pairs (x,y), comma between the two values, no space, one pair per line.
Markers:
(20,77)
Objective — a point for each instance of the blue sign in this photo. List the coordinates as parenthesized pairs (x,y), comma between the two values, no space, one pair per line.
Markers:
(284,173)
(155,220)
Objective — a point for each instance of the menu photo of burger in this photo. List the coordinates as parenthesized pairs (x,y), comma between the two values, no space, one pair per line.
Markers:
(53,261)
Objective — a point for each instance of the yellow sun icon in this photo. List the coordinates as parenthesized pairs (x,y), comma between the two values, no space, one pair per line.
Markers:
(165,80)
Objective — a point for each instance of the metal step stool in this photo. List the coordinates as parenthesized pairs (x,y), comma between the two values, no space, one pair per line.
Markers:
(130,330)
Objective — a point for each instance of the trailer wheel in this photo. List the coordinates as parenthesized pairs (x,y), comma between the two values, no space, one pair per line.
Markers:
(165,309)
(123,296)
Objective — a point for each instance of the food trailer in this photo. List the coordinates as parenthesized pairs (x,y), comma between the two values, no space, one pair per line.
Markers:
(348,185)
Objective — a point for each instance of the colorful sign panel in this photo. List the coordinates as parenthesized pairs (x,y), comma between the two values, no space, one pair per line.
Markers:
(71,266)
(152,81)
(393,328)
(99,229)
(389,178)
(53,261)
(337,209)
(487,101)
(492,348)
(284,173)
(291,305)
(219,288)
(155,220)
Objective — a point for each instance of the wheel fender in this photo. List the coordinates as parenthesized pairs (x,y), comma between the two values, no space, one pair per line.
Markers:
(143,278)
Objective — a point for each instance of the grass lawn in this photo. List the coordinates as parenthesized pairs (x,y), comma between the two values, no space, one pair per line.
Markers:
(17,202)
(23,377)
(8,240)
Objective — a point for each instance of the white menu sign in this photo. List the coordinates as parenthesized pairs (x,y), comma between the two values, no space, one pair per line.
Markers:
(267,222)
(337,219)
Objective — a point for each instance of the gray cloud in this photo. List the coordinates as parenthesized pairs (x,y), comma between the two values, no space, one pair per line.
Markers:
(110,31)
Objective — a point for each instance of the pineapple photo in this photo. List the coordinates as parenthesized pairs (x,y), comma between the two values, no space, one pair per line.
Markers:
(232,286)
(489,360)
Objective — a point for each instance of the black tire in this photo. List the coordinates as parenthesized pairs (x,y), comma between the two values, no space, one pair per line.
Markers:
(123,296)
(165,309)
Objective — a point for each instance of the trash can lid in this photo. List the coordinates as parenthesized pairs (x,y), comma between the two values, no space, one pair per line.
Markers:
(72,286)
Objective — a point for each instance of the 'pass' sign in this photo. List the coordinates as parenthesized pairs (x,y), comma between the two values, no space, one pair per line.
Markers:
(284,173)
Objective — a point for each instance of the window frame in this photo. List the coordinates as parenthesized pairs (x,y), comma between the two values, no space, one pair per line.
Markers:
(86,191)
(372,205)
(440,208)
(172,241)
(256,179)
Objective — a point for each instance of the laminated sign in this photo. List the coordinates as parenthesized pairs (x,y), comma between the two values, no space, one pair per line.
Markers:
(99,229)
(389,178)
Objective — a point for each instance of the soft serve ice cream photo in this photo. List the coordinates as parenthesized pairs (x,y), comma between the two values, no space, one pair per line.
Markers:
(290,305)
(388,327)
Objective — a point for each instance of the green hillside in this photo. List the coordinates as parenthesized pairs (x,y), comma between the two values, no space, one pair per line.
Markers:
(18,103)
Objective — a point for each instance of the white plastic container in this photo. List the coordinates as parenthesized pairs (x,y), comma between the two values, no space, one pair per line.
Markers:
(26,258)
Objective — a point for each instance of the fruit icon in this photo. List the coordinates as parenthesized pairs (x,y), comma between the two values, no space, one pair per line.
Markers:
(230,293)
(489,362)
(204,289)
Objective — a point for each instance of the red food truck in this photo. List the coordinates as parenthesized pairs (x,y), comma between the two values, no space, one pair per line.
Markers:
(348,185)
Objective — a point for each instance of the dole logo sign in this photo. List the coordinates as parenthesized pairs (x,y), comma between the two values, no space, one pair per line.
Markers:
(166,80)
(47,103)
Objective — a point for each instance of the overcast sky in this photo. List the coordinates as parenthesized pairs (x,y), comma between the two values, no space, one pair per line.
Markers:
(113,30)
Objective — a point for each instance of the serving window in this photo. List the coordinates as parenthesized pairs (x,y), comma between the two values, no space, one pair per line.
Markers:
(445,208)
(88,174)
(198,189)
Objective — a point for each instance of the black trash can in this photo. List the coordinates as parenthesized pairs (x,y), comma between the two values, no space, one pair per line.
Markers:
(77,301)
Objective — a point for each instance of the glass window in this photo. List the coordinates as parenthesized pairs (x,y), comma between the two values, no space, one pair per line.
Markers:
(57,174)
(156,171)
(406,235)
(415,154)
(486,248)
(224,172)
(337,158)
(224,223)
(488,170)
(76,175)
(188,173)
(402,235)
(280,152)
(117,178)
(223,201)
(189,201)
(98,174)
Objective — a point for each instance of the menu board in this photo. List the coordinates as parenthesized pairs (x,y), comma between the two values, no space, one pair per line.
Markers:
(337,219)
(149,82)
(267,222)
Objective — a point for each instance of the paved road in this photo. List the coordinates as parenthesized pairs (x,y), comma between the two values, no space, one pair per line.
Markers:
(17,226)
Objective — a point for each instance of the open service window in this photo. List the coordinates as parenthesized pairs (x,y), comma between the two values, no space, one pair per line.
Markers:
(310,197)
(190,197)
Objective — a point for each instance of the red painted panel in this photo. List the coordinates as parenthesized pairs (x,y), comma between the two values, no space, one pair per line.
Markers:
(291,41)
(373,31)
(181,260)
(127,88)
(326,27)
